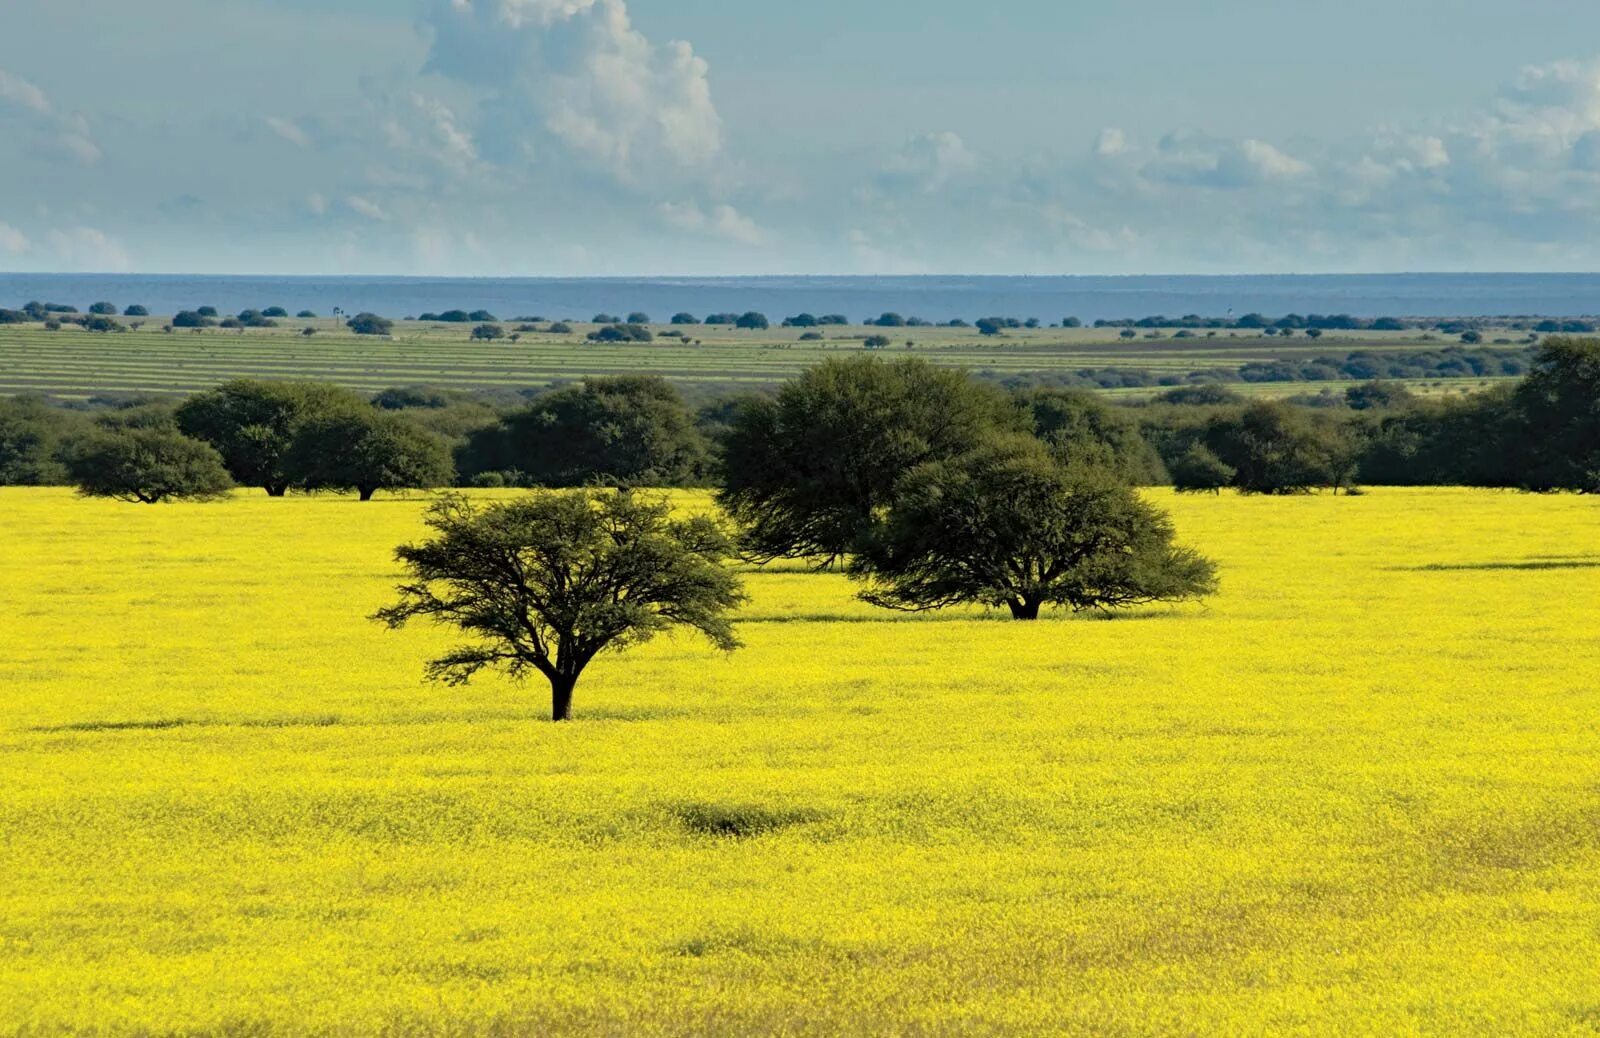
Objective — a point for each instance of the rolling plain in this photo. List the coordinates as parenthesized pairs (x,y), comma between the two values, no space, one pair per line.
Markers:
(1357,791)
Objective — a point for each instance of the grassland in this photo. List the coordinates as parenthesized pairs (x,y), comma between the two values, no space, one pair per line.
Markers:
(71,363)
(1358,792)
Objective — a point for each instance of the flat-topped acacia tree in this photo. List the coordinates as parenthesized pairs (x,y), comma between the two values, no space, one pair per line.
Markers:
(546,583)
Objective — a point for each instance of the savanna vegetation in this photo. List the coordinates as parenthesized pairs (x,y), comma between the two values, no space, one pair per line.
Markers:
(854,748)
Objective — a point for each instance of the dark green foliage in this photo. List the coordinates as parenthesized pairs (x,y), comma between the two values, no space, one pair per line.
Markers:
(547,583)
(103,309)
(370,324)
(876,342)
(207,311)
(1010,525)
(31,434)
(800,321)
(366,450)
(990,325)
(274,311)
(252,424)
(482,317)
(1207,394)
(630,431)
(1560,404)
(560,328)
(306,314)
(804,472)
(1378,396)
(191,319)
(1199,470)
(622,333)
(1083,429)
(136,311)
(752,321)
(147,465)
(488,332)
(1275,449)
(102,325)
(684,319)
(638,317)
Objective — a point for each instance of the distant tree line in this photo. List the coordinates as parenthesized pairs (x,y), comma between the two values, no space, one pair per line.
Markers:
(1542,433)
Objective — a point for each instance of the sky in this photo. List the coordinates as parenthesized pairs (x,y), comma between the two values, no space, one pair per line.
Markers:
(685,137)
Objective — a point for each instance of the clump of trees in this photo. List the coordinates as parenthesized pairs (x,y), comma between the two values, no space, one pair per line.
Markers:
(805,472)
(622,333)
(547,583)
(370,324)
(626,431)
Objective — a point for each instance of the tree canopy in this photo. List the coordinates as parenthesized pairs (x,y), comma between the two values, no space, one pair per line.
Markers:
(146,464)
(547,583)
(366,450)
(1010,525)
(253,423)
(628,430)
(804,471)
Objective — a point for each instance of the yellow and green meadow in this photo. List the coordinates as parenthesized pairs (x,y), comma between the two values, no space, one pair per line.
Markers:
(1357,792)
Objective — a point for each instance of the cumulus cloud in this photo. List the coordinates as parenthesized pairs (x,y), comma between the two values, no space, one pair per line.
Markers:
(1200,160)
(720,221)
(88,249)
(1110,142)
(928,162)
(12,240)
(289,130)
(366,207)
(60,134)
(577,73)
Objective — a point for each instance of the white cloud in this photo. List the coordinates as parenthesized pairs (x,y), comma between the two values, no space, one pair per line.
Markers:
(1110,142)
(288,130)
(366,207)
(1199,160)
(62,135)
(12,240)
(577,71)
(721,221)
(88,249)
(18,91)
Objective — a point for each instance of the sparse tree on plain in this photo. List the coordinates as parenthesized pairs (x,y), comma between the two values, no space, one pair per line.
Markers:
(367,450)
(805,472)
(547,583)
(1010,525)
(146,464)
(253,424)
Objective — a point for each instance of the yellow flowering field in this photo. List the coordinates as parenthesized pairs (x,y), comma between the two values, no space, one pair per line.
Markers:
(1357,792)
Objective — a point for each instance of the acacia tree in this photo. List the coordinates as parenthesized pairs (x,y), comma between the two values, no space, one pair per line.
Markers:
(1559,405)
(805,472)
(367,450)
(147,464)
(1010,525)
(254,423)
(549,582)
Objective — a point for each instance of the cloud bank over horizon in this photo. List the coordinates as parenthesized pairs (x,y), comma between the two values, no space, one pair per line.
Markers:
(561,137)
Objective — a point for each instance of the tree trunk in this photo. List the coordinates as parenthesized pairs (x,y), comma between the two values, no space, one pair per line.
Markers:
(366,492)
(1023,609)
(276,490)
(561,697)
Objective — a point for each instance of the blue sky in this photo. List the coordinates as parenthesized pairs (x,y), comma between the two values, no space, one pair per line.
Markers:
(700,136)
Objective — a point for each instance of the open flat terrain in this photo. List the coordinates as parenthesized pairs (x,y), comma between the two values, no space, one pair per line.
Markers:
(72,363)
(1358,792)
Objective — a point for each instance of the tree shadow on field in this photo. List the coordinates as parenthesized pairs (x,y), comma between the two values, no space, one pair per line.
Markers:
(1519,565)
